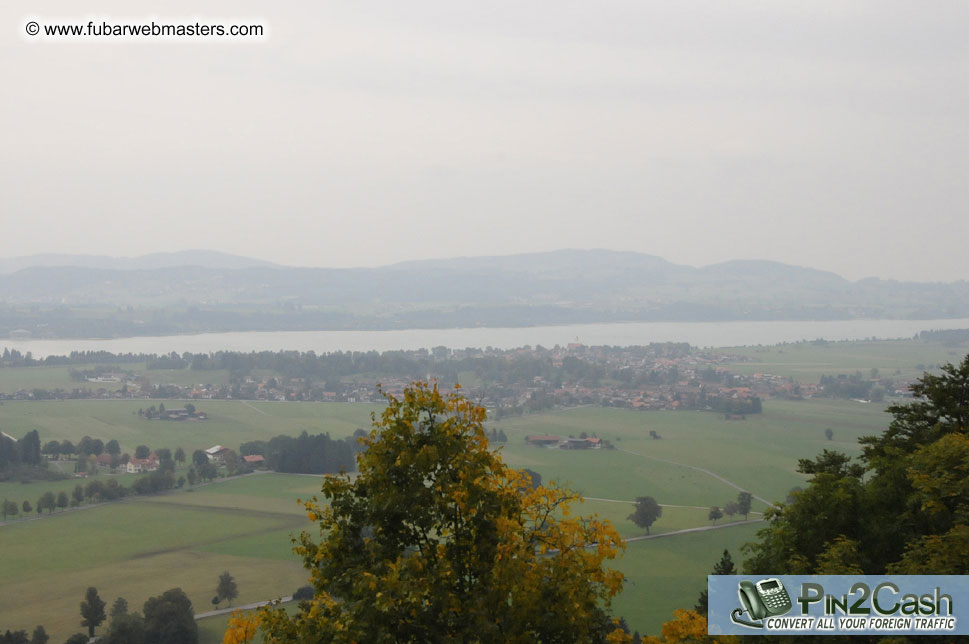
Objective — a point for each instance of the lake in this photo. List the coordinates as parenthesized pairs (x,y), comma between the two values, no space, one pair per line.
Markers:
(702,334)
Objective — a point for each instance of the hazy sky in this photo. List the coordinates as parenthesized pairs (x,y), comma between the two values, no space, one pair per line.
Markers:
(826,134)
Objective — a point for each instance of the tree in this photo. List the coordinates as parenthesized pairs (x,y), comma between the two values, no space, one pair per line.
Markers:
(179,455)
(39,636)
(92,610)
(687,626)
(142,451)
(916,480)
(715,513)
(119,607)
(436,539)
(227,589)
(14,637)
(68,449)
(125,629)
(199,458)
(744,501)
(30,448)
(78,493)
(113,447)
(10,508)
(723,567)
(27,507)
(77,638)
(62,502)
(169,619)
(829,433)
(47,501)
(731,509)
(51,448)
(534,478)
(192,476)
(646,513)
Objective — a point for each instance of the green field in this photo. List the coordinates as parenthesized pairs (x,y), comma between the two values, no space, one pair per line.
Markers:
(140,547)
(188,537)
(669,573)
(759,454)
(807,361)
(230,422)
(144,545)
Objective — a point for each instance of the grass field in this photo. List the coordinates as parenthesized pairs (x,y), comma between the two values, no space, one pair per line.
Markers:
(669,573)
(138,548)
(144,545)
(230,422)
(759,454)
(187,538)
(807,362)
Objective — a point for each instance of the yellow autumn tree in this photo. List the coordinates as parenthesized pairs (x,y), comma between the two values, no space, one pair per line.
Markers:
(688,626)
(437,540)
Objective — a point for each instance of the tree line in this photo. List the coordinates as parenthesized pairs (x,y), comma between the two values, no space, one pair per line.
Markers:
(306,454)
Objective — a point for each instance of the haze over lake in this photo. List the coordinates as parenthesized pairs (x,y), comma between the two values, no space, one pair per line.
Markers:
(703,334)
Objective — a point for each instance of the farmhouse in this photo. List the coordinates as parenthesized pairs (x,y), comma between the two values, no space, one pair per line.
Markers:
(216,454)
(138,465)
(581,443)
(255,460)
(543,440)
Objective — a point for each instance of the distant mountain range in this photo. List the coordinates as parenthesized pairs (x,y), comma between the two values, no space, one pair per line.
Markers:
(202,258)
(197,291)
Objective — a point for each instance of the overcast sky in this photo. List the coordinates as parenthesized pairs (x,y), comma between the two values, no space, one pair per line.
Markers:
(826,134)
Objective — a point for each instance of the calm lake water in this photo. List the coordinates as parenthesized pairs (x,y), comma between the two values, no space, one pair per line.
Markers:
(702,334)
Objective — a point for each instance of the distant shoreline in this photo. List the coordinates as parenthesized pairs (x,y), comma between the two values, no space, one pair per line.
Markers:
(699,334)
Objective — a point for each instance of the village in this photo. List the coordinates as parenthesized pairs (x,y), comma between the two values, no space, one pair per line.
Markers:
(664,376)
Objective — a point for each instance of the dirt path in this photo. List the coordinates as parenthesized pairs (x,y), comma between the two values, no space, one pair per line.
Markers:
(700,469)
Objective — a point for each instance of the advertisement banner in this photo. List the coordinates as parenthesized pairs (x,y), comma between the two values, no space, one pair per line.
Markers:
(838,605)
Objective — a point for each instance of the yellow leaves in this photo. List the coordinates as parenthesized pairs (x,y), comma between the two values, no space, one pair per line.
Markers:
(687,626)
(242,628)
(437,533)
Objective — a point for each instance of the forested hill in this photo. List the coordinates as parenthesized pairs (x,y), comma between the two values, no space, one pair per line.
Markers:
(561,287)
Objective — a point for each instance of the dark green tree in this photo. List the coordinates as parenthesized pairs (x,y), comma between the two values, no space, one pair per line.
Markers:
(169,619)
(916,480)
(14,637)
(723,567)
(142,451)
(47,501)
(30,448)
(715,513)
(646,513)
(227,589)
(199,458)
(63,501)
(92,610)
(119,607)
(68,449)
(126,628)
(744,501)
(113,447)
(77,638)
(39,636)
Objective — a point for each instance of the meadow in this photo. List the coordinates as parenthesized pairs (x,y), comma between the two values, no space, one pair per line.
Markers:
(136,549)
(808,361)
(144,545)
